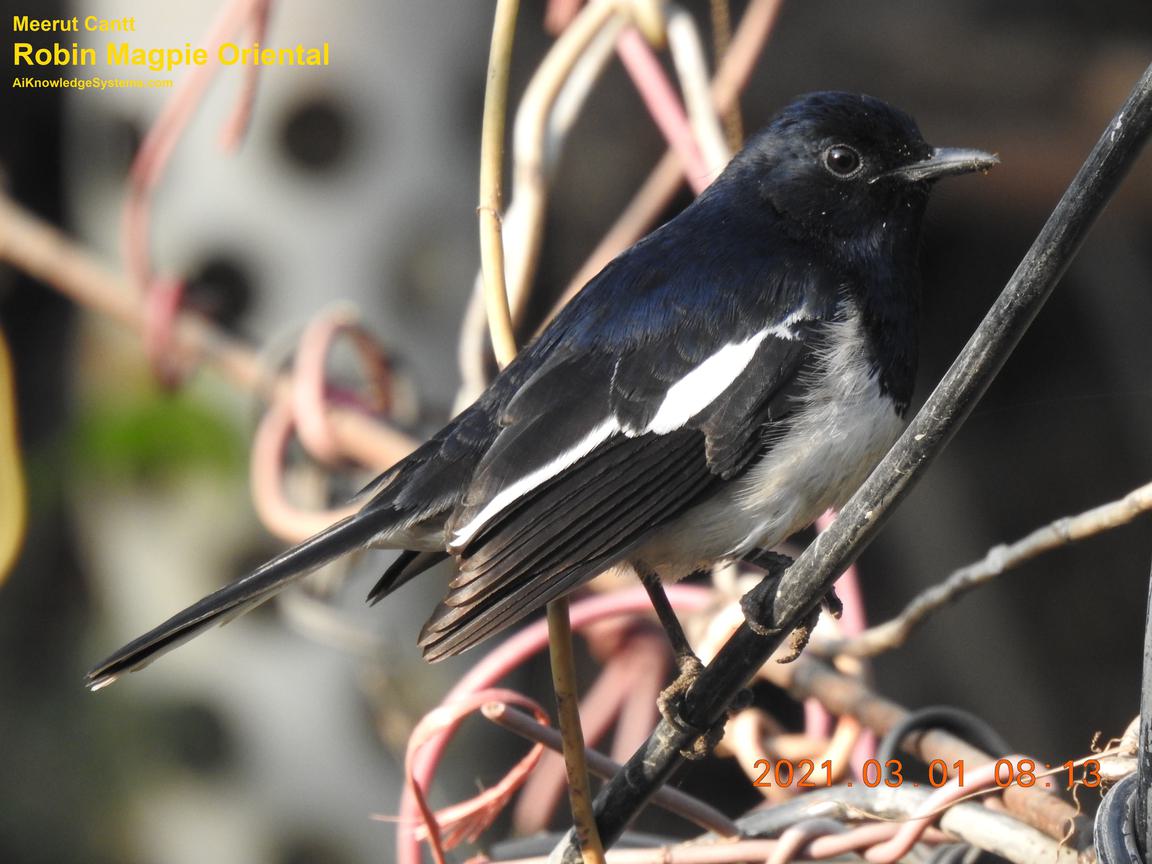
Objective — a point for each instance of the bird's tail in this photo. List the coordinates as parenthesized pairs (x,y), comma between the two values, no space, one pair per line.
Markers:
(237,598)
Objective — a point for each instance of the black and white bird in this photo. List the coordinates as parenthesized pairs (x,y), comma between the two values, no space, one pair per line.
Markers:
(712,391)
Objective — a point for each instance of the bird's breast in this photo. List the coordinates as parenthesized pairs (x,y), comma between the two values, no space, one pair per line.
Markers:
(840,430)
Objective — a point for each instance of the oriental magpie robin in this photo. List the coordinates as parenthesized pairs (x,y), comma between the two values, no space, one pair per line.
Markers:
(712,391)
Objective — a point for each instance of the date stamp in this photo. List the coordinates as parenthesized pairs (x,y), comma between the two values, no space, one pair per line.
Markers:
(807,774)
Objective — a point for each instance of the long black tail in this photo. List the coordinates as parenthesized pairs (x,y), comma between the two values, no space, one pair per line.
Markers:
(237,598)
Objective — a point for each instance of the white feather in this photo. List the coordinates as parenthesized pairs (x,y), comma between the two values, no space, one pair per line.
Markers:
(842,429)
(530,481)
(704,384)
(683,401)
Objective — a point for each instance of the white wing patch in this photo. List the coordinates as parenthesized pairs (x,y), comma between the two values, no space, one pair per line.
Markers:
(704,384)
(683,401)
(530,481)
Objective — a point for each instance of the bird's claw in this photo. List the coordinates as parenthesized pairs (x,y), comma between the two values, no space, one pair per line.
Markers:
(798,639)
(671,706)
(800,635)
(832,604)
(757,606)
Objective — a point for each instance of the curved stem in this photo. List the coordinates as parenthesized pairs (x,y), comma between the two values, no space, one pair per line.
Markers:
(491,176)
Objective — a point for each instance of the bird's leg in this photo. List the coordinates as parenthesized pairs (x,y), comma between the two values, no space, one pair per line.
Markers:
(685,657)
(671,699)
(757,604)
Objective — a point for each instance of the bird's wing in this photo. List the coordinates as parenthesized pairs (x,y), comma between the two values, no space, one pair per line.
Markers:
(600,447)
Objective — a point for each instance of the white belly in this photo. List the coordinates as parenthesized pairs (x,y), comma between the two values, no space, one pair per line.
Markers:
(836,438)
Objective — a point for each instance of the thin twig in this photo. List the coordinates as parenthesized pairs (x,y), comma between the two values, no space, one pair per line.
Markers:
(511,654)
(47,254)
(572,735)
(973,823)
(621,701)
(844,695)
(504,345)
(1000,559)
(548,109)
(721,15)
(12,487)
(661,184)
(815,571)
(491,178)
(672,800)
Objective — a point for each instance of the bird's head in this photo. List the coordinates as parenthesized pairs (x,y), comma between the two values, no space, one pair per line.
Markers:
(837,165)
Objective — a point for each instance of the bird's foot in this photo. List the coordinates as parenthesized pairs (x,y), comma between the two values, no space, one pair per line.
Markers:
(800,635)
(757,604)
(671,706)
(832,604)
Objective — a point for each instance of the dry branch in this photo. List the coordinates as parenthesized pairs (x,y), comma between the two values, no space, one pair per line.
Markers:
(999,560)
(47,254)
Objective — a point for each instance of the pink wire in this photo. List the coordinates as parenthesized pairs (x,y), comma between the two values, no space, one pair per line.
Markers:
(509,655)
(236,127)
(310,391)
(952,792)
(623,697)
(152,160)
(161,311)
(559,15)
(466,820)
(266,479)
(663,104)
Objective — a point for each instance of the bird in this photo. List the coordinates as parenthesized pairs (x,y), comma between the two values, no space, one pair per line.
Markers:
(710,392)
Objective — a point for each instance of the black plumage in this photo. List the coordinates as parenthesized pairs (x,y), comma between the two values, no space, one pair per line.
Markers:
(712,390)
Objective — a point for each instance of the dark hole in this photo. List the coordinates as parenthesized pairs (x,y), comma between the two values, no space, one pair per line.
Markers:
(122,142)
(222,289)
(317,134)
(311,850)
(199,738)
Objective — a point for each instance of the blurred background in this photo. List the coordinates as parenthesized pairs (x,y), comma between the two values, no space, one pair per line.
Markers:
(263,742)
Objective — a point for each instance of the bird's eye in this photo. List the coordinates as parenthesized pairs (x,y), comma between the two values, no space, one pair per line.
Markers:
(842,160)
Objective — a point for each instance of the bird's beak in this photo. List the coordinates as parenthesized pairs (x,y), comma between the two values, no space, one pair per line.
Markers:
(943,162)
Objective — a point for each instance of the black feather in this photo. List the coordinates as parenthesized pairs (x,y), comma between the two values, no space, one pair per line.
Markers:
(407,566)
(234,599)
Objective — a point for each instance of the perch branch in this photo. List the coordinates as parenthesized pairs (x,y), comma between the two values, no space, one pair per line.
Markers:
(672,800)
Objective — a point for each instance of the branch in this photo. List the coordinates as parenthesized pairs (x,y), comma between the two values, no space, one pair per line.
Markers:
(844,695)
(563,664)
(815,571)
(672,800)
(12,487)
(504,345)
(1000,559)
(491,176)
(972,823)
(47,254)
